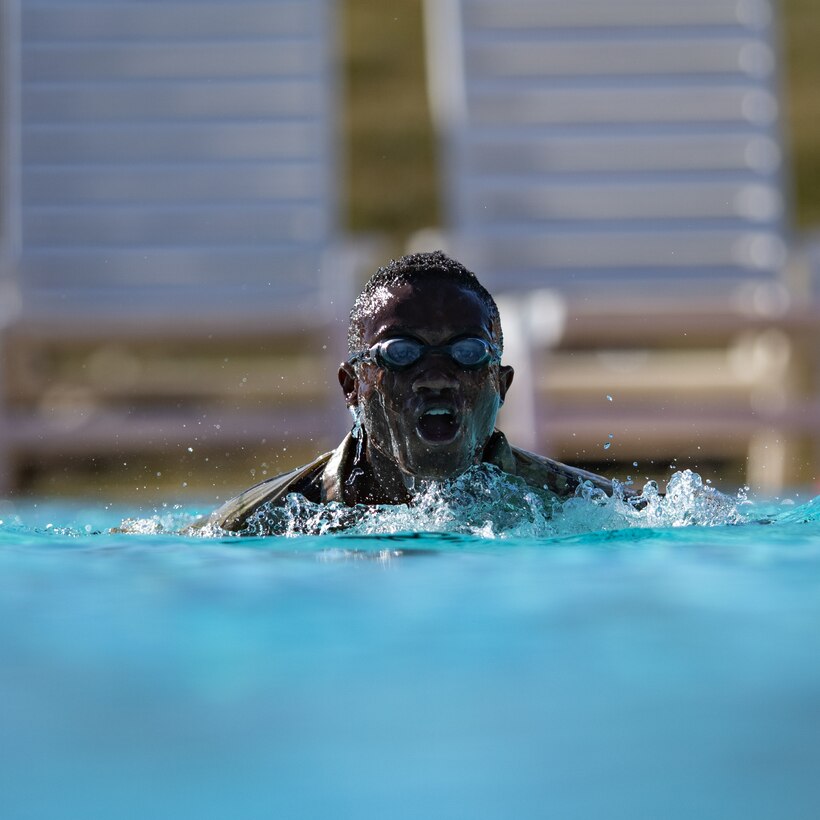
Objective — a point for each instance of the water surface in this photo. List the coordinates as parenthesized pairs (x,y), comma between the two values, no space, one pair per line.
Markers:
(604,666)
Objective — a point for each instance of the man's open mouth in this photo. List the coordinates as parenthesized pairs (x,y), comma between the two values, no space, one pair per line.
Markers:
(438,425)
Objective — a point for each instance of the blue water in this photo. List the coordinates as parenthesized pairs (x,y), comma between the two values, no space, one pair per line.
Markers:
(599,663)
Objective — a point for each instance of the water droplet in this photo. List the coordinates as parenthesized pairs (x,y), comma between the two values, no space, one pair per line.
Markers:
(190,449)
(608,397)
(607,445)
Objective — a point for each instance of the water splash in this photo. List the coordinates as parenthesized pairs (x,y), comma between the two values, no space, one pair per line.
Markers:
(357,430)
(686,502)
(486,502)
(171,522)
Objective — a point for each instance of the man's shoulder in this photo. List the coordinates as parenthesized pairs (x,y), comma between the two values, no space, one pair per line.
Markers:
(306,480)
(547,473)
(539,471)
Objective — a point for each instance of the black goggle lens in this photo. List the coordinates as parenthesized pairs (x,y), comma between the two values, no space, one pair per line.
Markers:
(399,353)
(470,352)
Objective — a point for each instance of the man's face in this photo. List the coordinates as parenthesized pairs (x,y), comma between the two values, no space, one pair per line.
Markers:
(433,418)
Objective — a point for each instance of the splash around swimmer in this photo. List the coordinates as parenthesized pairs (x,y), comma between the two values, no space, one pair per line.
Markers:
(424,381)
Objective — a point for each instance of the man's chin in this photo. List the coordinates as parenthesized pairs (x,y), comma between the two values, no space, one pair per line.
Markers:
(439,465)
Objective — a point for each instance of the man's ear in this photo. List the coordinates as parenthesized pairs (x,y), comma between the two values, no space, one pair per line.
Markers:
(350,383)
(505,377)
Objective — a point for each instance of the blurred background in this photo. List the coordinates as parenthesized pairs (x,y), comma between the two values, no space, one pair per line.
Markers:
(192,192)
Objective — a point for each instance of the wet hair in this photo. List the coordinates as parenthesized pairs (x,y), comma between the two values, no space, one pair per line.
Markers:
(412,268)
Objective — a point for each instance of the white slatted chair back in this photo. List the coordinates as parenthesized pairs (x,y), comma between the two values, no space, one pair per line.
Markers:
(177,155)
(609,144)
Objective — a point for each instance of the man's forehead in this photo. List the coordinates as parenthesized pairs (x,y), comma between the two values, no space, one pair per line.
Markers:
(379,299)
(425,304)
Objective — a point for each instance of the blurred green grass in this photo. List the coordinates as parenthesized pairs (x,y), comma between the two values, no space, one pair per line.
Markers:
(390,173)
(800,52)
(391,164)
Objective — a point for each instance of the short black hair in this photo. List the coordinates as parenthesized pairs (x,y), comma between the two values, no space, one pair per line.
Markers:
(412,268)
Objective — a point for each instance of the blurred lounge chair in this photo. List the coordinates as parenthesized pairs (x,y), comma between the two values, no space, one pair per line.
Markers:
(614,170)
(170,229)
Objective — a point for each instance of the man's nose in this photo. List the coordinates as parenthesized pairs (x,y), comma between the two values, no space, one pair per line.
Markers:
(434,378)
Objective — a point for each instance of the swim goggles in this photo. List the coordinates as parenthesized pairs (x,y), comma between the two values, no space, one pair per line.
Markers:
(397,354)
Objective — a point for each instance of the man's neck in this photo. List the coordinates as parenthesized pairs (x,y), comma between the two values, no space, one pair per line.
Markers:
(377,480)
(374,478)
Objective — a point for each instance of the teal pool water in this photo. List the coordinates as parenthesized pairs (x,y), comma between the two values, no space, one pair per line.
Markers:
(602,666)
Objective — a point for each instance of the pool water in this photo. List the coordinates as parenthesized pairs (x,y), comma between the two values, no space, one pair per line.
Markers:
(597,662)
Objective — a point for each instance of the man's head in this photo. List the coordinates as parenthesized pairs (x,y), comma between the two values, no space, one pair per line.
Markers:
(427,405)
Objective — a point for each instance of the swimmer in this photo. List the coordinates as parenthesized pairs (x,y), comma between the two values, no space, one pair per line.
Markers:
(424,381)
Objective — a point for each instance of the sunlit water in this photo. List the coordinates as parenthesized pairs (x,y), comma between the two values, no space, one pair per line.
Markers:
(481,654)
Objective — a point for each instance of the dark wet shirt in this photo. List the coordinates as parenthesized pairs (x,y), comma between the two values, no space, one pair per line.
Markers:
(323,480)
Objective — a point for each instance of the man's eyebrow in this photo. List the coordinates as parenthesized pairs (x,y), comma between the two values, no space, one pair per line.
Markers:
(395,330)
